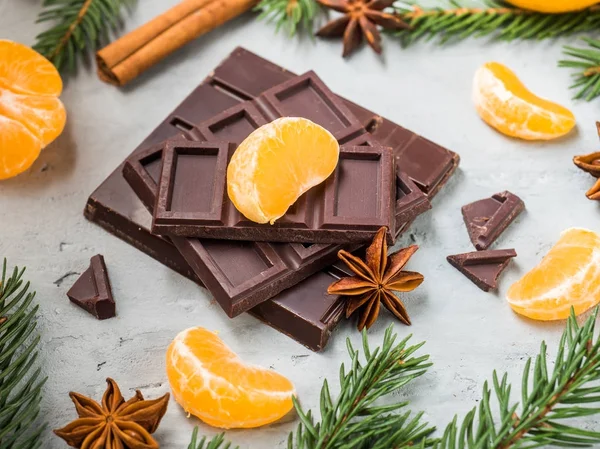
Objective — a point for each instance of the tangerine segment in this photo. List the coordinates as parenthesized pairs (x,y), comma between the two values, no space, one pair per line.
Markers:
(25,71)
(276,164)
(504,103)
(43,116)
(19,148)
(553,6)
(211,382)
(568,276)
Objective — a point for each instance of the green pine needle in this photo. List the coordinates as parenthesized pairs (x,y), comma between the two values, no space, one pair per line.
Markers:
(454,20)
(587,63)
(293,15)
(20,382)
(217,442)
(353,420)
(79,27)
(550,398)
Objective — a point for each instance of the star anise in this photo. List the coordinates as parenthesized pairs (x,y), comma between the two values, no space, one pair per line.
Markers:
(114,424)
(376,278)
(361,17)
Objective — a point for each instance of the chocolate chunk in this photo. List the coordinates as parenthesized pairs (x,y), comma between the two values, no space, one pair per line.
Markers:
(92,291)
(483,267)
(242,76)
(486,219)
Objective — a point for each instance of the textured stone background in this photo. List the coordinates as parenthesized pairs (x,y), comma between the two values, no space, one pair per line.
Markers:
(425,88)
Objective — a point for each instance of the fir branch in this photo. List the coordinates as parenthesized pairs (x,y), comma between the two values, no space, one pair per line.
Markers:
(549,400)
(352,420)
(293,15)
(20,384)
(217,442)
(587,62)
(457,20)
(80,27)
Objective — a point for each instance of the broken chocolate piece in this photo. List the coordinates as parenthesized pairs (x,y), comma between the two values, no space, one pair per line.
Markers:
(92,290)
(486,219)
(483,267)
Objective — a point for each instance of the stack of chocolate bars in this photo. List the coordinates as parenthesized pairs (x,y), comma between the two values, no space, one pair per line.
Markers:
(169,198)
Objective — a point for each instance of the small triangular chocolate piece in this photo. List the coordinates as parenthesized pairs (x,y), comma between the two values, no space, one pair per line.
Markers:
(92,291)
(486,219)
(483,267)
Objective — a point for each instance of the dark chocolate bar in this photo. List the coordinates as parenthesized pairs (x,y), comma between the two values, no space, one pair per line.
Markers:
(483,267)
(241,76)
(240,275)
(486,219)
(92,291)
(349,207)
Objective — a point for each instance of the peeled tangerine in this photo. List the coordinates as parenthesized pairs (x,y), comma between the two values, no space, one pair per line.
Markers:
(504,103)
(276,164)
(31,115)
(211,382)
(553,6)
(568,276)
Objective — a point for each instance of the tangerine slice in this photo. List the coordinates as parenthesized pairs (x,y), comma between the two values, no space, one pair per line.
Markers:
(31,115)
(504,103)
(568,276)
(276,164)
(553,6)
(211,382)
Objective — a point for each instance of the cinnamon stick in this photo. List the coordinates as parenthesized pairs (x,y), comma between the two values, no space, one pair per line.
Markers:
(132,54)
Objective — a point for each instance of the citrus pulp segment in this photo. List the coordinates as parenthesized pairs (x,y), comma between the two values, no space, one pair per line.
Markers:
(276,164)
(568,276)
(211,382)
(504,103)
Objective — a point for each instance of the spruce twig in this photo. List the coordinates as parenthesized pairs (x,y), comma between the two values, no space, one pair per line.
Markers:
(20,383)
(80,26)
(587,63)
(451,19)
(353,420)
(457,20)
(549,400)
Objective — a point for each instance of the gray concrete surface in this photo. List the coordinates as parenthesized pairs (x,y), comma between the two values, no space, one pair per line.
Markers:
(425,88)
